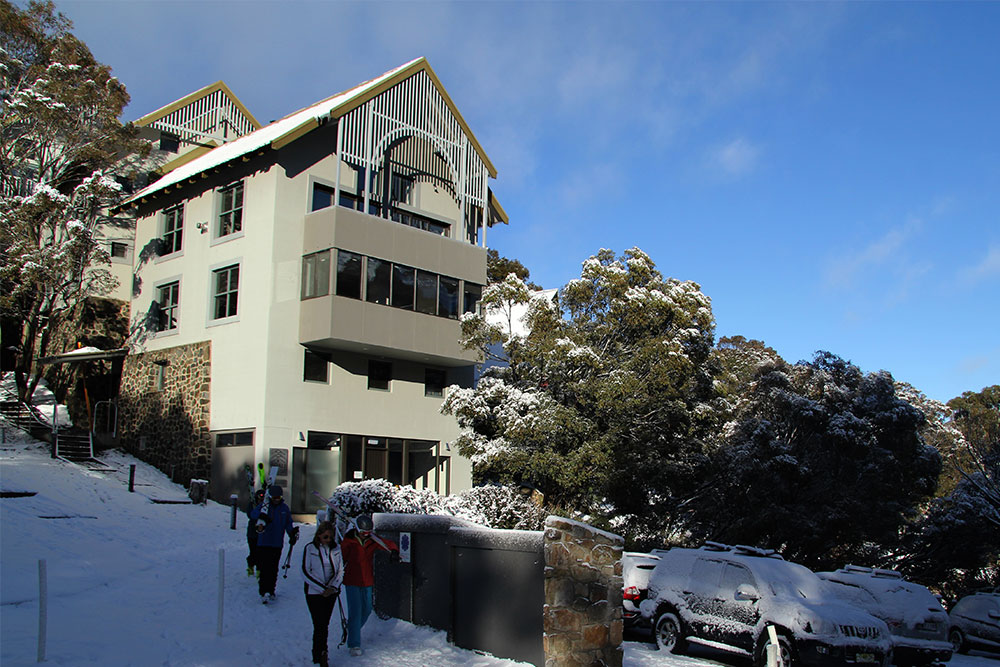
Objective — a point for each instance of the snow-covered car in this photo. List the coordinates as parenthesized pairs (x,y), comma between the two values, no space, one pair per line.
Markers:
(726,597)
(636,568)
(916,619)
(975,623)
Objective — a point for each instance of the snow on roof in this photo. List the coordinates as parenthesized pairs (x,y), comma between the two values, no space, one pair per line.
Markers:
(266,135)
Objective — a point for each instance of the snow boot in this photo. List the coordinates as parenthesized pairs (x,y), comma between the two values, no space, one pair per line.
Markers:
(356,651)
(263,599)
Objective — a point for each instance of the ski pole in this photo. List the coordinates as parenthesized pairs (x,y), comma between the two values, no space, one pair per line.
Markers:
(288,560)
(343,623)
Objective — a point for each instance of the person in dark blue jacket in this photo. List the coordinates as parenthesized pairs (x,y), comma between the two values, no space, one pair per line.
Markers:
(272,525)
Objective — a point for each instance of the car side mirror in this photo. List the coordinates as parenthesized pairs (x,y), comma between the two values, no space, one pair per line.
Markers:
(747,592)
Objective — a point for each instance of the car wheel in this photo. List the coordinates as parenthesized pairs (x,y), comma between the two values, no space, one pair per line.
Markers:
(784,651)
(668,633)
(958,643)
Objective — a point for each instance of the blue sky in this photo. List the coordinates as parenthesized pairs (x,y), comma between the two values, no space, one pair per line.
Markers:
(829,173)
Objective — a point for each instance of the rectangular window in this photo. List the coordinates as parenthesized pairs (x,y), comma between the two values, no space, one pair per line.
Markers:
(434,381)
(347,200)
(379,279)
(316,367)
(448,297)
(168,298)
(231,210)
(473,293)
(348,274)
(170,143)
(427,288)
(316,274)
(379,374)
(236,439)
(401,189)
(119,249)
(161,376)
(322,197)
(227,283)
(403,282)
(173,227)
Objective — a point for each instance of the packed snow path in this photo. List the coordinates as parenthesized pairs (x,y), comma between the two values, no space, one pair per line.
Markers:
(131,582)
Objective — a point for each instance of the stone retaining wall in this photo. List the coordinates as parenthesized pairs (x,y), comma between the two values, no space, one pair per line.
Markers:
(583,595)
(164,409)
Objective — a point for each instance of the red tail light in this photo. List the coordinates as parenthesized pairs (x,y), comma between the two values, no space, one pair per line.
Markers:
(632,594)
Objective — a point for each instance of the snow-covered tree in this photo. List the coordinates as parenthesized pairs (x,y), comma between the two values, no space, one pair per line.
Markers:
(60,142)
(606,402)
(824,462)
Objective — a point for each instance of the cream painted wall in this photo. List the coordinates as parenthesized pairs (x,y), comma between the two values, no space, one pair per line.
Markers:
(257,361)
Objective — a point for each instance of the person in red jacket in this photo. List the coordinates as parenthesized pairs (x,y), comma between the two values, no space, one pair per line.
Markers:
(358,549)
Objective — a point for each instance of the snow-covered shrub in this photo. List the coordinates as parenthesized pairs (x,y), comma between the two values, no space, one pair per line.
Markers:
(492,506)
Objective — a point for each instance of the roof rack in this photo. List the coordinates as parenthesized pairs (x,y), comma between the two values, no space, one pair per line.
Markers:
(874,571)
(742,550)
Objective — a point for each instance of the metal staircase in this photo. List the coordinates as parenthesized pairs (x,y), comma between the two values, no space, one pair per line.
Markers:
(73,444)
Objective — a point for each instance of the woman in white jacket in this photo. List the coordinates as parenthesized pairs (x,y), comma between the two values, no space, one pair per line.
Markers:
(323,569)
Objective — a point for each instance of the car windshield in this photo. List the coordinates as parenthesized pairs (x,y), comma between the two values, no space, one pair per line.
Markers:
(852,593)
(787,579)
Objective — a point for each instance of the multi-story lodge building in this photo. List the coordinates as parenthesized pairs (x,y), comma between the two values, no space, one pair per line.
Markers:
(298,292)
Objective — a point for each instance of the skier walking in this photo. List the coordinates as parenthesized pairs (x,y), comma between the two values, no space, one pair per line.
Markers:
(275,522)
(358,550)
(323,569)
(256,498)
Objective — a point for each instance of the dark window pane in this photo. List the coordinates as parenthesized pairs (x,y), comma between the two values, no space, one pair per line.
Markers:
(473,293)
(348,274)
(227,282)
(403,280)
(167,306)
(322,440)
(420,463)
(231,210)
(448,297)
(348,200)
(119,249)
(379,277)
(379,374)
(240,439)
(316,367)
(434,381)
(173,229)
(394,473)
(427,292)
(322,197)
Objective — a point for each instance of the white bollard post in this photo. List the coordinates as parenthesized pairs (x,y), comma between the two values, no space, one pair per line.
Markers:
(42,609)
(222,586)
(773,648)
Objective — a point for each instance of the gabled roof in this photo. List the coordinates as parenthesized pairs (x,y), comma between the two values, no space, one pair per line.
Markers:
(291,127)
(164,111)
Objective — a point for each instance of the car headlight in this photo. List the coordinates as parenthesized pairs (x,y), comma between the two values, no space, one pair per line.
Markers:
(821,626)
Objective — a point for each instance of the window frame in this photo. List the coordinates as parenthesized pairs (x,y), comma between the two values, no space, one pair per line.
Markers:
(234,434)
(309,270)
(175,307)
(214,293)
(175,233)
(221,212)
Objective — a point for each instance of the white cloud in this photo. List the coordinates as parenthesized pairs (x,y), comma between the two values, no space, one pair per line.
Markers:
(843,272)
(987,268)
(737,158)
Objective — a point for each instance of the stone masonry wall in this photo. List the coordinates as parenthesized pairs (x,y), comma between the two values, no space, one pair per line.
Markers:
(582,617)
(164,409)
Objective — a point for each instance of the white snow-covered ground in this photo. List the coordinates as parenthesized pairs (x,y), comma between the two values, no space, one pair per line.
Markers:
(131,582)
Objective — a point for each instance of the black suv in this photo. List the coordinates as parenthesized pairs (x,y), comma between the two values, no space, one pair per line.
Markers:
(975,623)
(727,597)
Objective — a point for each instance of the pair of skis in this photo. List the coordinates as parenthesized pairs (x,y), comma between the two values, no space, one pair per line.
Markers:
(266,483)
(350,520)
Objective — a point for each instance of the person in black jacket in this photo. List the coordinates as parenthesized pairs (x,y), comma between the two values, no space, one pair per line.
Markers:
(256,498)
